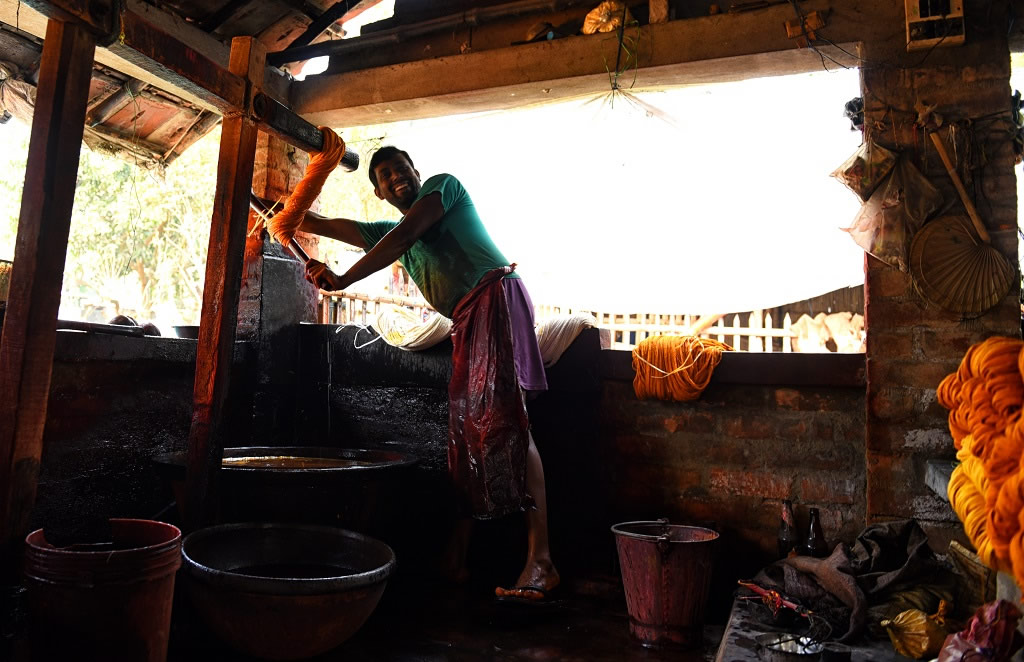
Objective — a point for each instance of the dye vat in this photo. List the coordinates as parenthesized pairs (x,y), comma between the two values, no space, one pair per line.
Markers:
(350,488)
(284,591)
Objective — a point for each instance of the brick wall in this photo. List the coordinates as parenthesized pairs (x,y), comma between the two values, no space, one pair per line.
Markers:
(730,458)
(727,459)
(115,402)
(911,344)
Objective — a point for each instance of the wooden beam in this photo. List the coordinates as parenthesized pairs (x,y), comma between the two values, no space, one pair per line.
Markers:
(104,110)
(165,47)
(217,18)
(321,23)
(700,50)
(158,48)
(219,319)
(341,11)
(30,324)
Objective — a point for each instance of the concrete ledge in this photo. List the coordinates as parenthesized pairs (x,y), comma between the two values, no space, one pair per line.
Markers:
(937,474)
(75,346)
(762,369)
(353,355)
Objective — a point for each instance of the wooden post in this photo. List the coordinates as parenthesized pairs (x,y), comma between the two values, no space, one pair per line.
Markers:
(220,299)
(30,324)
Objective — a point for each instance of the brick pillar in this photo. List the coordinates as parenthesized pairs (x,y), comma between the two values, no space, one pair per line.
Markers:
(275,298)
(912,344)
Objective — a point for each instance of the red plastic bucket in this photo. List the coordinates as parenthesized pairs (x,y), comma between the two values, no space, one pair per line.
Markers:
(108,601)
(666,573)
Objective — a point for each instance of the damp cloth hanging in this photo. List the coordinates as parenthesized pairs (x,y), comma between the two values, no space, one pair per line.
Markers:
(283,225)
(675,367)
(984,398)
(402,328)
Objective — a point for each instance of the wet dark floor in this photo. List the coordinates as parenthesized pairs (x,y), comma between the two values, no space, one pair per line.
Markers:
(463,624)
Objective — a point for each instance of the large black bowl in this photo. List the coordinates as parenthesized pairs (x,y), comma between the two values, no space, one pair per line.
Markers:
(284,591)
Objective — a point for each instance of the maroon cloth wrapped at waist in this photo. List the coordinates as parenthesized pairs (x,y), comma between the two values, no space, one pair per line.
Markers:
(487,421)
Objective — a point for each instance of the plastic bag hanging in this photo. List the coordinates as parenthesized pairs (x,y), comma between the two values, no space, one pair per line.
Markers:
(897,209)
(865,169)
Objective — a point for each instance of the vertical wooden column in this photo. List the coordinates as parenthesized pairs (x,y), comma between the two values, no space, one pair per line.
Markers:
(219,319)
(30,324)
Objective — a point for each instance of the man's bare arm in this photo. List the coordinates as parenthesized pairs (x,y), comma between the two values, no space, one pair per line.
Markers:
(421,217)
(342,229)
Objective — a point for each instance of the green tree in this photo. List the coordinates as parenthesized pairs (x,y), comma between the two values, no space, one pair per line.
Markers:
(138,238)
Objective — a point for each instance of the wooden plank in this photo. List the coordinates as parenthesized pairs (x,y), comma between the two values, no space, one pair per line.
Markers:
(219,319)
(708,49)
(156,47)
(104,110)
(30,324)
(320,24)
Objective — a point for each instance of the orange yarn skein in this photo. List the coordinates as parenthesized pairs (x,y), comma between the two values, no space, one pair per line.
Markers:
(984,397)
(286,222)
(675,367)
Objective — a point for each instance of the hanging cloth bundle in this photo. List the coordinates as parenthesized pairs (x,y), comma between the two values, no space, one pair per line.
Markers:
(675,367)
(283,225)
(554,335)
(402,328)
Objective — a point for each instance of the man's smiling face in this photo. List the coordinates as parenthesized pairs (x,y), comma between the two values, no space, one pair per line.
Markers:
(397,182)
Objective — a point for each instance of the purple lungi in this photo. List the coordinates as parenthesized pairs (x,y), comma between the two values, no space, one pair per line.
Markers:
(529,364)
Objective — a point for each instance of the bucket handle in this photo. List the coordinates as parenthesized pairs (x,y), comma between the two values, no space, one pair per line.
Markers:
(664,539)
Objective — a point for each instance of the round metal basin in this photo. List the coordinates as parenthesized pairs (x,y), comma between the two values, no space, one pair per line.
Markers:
(284,591)
(351,488)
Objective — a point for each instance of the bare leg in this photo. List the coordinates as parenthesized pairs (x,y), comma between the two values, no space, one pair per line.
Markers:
(539,569)
(454,565)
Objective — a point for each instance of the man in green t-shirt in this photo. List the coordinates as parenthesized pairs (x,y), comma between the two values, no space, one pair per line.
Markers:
(446,249)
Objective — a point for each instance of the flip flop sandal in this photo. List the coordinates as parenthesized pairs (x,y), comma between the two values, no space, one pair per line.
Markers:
(549,597)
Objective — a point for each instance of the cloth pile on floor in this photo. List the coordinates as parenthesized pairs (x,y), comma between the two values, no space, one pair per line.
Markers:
(889,569)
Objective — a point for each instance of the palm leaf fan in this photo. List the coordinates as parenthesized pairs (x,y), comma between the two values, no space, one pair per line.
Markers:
(952,260)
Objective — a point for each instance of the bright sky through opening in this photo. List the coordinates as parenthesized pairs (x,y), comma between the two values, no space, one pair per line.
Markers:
(719,201)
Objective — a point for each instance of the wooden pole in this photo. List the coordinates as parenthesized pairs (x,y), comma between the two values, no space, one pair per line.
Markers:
(220,300)
(30,323)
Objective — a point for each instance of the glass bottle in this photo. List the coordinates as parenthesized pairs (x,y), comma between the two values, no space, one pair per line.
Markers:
(788,535)
(815,545)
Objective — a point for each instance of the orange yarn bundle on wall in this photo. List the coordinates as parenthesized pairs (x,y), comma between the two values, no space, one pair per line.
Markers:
(283,225)
(675,367)
(984,397)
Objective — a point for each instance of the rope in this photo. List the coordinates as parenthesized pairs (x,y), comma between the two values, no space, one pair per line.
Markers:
(402,328)
(675,367)
(984,398)
(283,225)
(554,335)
